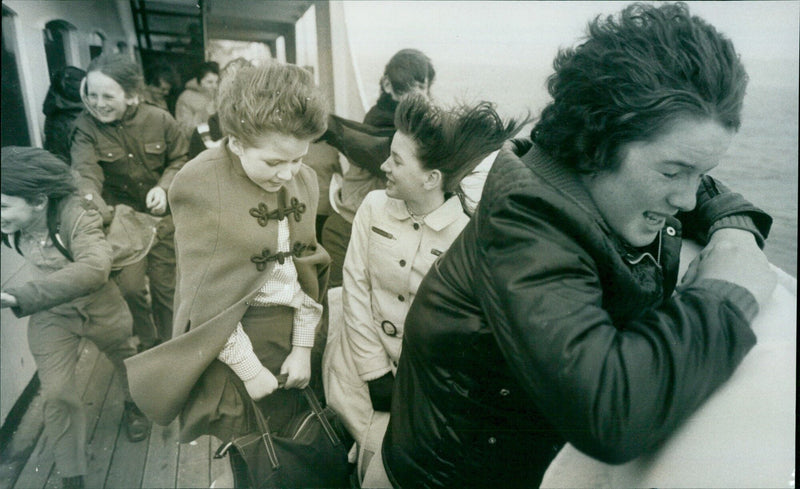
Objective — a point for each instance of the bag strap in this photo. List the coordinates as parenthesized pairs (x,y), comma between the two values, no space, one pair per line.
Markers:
(316,408)
(53,228)
(7,240)
(323,420)
(266,435)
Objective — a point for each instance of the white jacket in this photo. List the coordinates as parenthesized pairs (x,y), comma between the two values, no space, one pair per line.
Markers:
(387,258)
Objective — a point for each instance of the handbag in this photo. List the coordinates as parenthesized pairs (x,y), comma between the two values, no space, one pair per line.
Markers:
(312,453)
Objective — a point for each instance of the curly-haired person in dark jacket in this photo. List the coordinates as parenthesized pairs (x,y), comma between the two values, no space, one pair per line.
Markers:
(555,315)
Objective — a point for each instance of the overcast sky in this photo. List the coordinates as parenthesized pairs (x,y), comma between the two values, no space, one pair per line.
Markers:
(488,31)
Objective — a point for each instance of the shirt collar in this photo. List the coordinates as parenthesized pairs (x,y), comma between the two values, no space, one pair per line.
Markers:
(565,180)
(437,220)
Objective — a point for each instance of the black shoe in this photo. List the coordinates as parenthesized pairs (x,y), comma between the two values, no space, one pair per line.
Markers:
(74,482)
(137,426)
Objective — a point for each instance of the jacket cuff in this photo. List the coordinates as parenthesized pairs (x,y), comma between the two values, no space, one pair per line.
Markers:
(23,308)
(734,294)
(738,221)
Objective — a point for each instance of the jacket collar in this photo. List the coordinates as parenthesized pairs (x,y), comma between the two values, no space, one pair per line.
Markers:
(437,220)
(569,184)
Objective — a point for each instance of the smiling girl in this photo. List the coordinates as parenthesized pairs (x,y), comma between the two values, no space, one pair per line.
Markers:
(70,299)
(128,153)
(398,233)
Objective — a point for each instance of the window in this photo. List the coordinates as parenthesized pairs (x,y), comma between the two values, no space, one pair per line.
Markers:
(14,122)
(96,43)
(57,39)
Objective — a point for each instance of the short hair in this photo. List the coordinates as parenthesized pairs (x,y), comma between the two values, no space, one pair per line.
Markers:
(121,69)
(633,77)
(67,82)
(407,68)
(33,173)
(276,97)
(205,68)
(233,66)
(161,71)
(452,140)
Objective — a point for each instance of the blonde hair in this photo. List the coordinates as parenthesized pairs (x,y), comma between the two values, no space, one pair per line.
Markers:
(272,98)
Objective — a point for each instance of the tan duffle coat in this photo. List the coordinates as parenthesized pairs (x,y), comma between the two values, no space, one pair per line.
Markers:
(226,232)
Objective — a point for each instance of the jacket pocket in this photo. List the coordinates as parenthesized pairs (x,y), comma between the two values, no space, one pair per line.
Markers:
(154,154)
(110,154)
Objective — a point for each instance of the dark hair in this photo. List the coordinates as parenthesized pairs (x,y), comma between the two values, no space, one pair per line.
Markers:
(67,82)
(121,69)
(407,68)
(632,78)
(33,173)
(453,141)
(161,71)
(206,68)
(276,97)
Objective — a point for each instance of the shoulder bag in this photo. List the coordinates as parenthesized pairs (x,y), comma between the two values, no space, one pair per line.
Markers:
(313,453)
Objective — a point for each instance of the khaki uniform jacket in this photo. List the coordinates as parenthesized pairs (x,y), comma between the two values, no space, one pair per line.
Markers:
(225,239)
(82,234)
(123,160)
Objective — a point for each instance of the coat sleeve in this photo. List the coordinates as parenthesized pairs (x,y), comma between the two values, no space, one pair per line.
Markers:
(85,160)
(177,149)
(87,273)
(368,354)
(613,390)
(717,208)
(363,145)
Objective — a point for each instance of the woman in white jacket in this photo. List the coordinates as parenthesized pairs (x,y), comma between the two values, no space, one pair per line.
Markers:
(397,235)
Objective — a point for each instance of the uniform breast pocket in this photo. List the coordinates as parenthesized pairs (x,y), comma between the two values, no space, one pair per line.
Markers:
(383,243)
(382,236)
(154,154)
(110,154)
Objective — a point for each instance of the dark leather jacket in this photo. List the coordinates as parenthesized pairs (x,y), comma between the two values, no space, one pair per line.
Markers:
(539,327)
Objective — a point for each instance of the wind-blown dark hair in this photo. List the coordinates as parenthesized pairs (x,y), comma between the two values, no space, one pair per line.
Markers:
(631,78)
(276,97)
(452,140)
(33,173)
(407,69)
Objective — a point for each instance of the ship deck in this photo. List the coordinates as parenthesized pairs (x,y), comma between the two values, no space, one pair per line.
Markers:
(114,462)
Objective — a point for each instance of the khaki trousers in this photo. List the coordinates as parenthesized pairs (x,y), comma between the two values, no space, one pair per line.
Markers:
(53,337)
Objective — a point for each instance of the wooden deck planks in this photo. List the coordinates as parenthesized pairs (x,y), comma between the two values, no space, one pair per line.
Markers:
(39,465)
(161,465)
(128,459)
(22,444)
(194,464)
(102,444)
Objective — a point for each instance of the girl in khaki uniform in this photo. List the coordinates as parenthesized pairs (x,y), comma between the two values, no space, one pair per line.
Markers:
(73,300)
(128,153)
